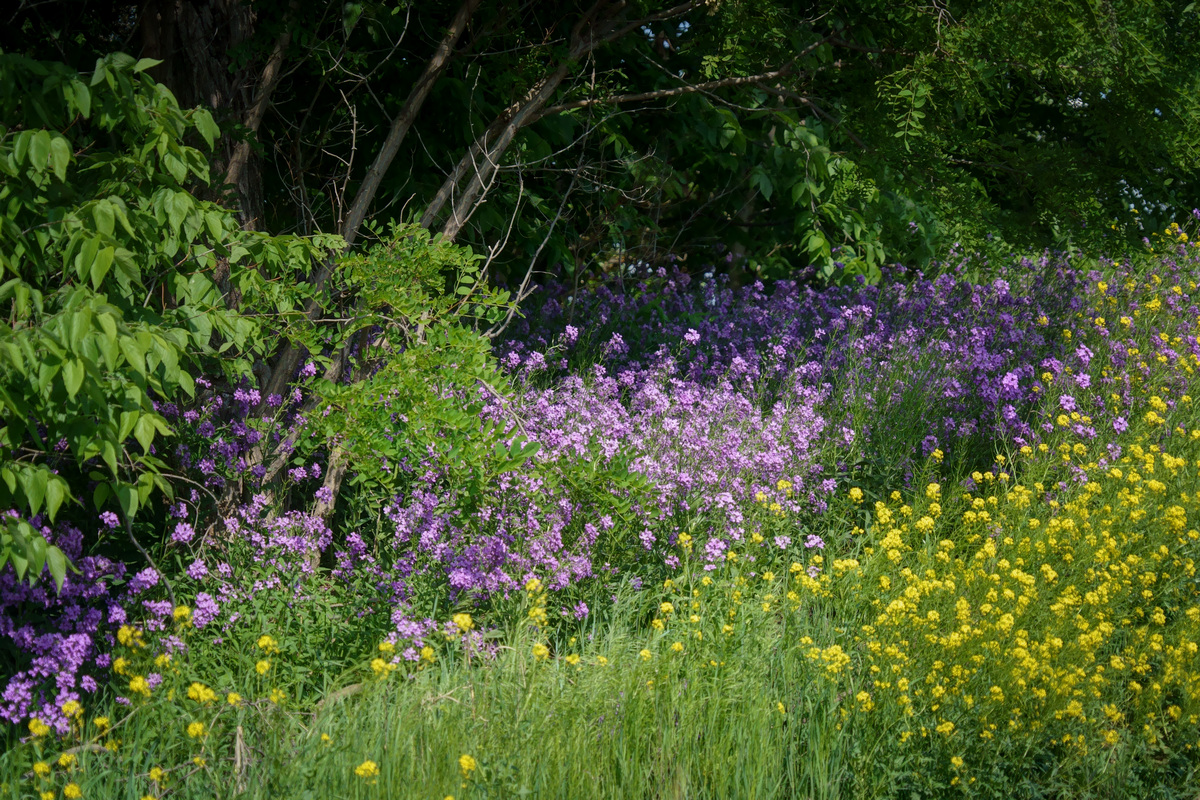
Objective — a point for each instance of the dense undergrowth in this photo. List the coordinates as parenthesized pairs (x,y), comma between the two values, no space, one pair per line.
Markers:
(930,538)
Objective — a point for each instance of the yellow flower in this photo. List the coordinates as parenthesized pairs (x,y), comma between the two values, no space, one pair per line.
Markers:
(677,647)
(541,652)
(38,728)
(856,494)
(956,761)
(427,654)
(781,707)
(533,585)
(46,795)
(201,693)
(195,730)
(233,698)
(381,668)
(367,769)
(157,775)
(946,727)
(602,661)
(646,655)
(41,769)
(125,635)
(72,791)
(277,696)
(387,648)
(464,622)
(667,608)
(139,685)
(71,708)
(262,666)
(182,613)
(572,659)
(66,760)
(120,665)
(198,761)
(268,644)
(467,764)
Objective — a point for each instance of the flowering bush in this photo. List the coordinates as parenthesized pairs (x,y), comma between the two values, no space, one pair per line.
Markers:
(949,521)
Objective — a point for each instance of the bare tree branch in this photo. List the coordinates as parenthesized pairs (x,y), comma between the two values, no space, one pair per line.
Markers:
(596,27)
(285,365)
(404,120)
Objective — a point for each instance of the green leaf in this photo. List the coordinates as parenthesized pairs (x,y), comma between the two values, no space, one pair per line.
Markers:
(73,373)
(176,167)
(39,150)
(144,64)
(144,432)
(33,485)
(57,560)
(100,73)
(101,265)
(187,384)
(60,156)
(56,492)
(102,213)
(128,420)
(205,126)
(83,98)
(86,256)
(21,145)
(127,497)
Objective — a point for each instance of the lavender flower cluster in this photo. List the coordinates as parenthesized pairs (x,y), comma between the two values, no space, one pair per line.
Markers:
(665,406)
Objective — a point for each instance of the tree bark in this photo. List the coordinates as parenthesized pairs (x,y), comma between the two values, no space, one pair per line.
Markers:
(243,172)
(194,39)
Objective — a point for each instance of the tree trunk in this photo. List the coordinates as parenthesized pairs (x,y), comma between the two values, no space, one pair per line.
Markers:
(284,367)
(194,40)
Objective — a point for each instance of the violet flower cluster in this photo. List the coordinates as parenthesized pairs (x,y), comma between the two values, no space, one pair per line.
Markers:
(665,405)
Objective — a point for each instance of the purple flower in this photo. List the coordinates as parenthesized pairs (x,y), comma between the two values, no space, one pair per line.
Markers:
(143,581)
(183,533)
(205,610)
(110,519)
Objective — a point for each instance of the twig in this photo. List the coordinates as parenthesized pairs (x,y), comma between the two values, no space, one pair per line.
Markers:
(166,581)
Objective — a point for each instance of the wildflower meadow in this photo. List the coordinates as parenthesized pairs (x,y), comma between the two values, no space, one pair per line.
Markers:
(931,537)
